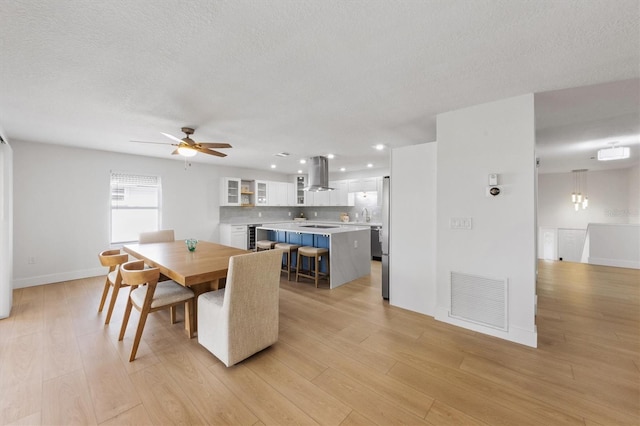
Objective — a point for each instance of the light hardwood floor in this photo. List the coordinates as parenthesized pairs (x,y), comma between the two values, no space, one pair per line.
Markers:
(344,357)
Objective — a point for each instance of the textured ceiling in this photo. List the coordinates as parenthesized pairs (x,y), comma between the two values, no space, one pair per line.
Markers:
(304,77)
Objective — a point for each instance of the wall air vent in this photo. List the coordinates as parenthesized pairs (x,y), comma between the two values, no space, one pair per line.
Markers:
(480,300)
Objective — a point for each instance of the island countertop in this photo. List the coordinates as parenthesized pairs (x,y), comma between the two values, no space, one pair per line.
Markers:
(313,227)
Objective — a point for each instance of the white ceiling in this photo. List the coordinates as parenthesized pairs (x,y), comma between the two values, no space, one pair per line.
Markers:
(311,77)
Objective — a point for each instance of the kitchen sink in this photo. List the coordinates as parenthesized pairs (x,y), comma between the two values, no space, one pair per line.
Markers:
(319,226)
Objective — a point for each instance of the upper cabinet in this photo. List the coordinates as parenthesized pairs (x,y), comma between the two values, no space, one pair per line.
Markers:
(363,185)
(299,184)
(340,195)
(230,192)
(262,193)
(277,193)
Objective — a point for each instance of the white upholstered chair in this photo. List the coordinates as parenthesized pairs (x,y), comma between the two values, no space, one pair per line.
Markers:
(148,295)
(162,236)
(242,318)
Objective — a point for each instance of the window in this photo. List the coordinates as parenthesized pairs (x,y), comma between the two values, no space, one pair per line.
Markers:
(135,206)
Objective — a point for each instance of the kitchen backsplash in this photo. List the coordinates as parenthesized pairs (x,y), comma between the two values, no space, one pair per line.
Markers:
(266,214)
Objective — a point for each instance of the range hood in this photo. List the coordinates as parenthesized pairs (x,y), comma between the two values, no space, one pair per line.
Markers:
(318,174)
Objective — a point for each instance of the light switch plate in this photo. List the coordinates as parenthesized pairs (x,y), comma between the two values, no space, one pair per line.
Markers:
(461,223)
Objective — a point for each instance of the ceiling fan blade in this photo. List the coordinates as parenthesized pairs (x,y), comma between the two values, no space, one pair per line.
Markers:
(214,145)
(172,137)
(211,152)
(155,143)
(175,152)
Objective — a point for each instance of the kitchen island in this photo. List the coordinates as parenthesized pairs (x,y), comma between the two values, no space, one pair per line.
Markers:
(349,246)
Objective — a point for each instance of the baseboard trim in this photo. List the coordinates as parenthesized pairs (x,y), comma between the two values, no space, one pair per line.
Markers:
(620,263)
(513,334)
(56,278)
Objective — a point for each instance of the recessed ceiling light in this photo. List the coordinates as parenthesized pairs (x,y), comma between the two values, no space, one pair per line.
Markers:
(330,156)
(379,147)
(303,161)
(369,165)
(273,166)
(299,171)
(342,169)
(282,154)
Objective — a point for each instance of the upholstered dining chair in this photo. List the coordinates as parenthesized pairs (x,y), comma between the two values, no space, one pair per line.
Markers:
(112,259)
(162,236)
(242,318)
(148,295)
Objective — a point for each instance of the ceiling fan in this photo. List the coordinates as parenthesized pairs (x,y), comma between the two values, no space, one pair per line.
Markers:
(187,147)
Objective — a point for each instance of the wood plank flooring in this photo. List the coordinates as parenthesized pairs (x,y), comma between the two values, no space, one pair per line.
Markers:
(344,357)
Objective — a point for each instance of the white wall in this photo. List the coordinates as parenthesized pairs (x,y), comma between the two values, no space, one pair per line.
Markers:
(6,229)
(611,193)
(497,137)
(412,245)
(61,206)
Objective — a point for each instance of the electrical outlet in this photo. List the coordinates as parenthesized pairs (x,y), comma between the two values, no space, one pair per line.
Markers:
(259,214)
(315,214)
(289,214)
(31,260)
(355,244)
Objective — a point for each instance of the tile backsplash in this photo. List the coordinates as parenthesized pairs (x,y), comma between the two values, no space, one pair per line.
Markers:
(368,200)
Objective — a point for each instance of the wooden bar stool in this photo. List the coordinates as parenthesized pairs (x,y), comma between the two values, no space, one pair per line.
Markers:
(265,245)
(288,249)
(312,253)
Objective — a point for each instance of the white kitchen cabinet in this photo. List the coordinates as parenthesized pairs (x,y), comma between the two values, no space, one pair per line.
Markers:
(262,193)
(278,194)
(362,185)
(299,183)
(340,195)
(291,194)
(233,235)
(230,191)
(321,198)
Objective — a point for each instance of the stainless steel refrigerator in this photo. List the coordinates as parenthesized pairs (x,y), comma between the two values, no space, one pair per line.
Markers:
(384,236)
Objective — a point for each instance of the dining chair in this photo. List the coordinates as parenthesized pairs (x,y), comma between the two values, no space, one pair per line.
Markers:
(148,295)
(242,318)
(112,259)
(162,236)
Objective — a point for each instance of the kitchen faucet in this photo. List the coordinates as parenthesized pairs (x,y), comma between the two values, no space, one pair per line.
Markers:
(365,215)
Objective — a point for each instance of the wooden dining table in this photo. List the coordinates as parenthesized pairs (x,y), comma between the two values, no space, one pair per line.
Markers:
(201,269)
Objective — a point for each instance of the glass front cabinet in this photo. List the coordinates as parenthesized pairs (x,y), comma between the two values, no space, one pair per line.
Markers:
(299,185)
(230,192)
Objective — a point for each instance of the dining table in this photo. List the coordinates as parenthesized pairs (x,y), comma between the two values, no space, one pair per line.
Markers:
(202,269)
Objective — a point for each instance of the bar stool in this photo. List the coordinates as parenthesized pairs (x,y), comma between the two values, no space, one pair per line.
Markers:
(312,253)
(288,249)
(265,245)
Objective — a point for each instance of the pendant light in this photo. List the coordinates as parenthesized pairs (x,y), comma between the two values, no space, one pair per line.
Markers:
(579,195)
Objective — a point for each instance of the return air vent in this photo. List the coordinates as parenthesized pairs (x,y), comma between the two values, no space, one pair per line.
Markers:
(479,300)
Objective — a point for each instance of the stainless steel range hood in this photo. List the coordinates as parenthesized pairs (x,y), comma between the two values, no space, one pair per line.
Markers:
(318,174)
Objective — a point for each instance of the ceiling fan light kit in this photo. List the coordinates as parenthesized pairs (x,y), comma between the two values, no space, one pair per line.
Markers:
(187,147)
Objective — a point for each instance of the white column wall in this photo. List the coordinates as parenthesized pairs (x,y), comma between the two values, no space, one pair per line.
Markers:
(412,245)
(6,229)
(497,137)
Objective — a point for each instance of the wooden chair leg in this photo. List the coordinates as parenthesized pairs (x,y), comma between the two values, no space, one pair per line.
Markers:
(125,320)
(297,266)
(136,339)
(112,302)
(172,314)
(317,265)
(107,284)
(189,319)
